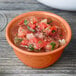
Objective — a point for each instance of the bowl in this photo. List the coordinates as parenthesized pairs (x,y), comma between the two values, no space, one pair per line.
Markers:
(69,5)
(33,59)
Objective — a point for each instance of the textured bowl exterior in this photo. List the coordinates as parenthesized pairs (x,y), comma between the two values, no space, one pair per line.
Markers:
(38,60)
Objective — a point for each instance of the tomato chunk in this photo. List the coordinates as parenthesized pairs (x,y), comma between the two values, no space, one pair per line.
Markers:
(50,30)
(37,43)
(32,25)
(53,28)
(22,32)
(42,25)
(33,20)
(21,22)
(52,45)
(24,42)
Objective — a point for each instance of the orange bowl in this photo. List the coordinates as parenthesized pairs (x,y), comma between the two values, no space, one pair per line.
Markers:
(38,60)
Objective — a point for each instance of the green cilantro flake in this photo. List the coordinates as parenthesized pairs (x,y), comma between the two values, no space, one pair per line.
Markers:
(30,29)
(25,22)
(50,22)
(53,31)
(31,47)
(61,35)
(53,44)
(39,41)
(17,40)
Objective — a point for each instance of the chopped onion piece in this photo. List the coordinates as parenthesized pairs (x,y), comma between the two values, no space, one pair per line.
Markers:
(44,21)
(30,36)
(39,35)
(62,42)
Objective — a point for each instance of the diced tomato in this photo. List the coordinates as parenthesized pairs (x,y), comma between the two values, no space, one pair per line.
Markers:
(53,28)
(49,46)
(22,32)
(24,42)
(55,23)
(48,39)
(21,22)
(32,25)
(42,25)
(33,20)
(50,30)
(40,44)
(33,40)
(53,31)
(47,30)
(37,43)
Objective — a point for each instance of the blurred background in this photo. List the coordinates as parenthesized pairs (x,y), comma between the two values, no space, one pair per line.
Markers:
(69,5)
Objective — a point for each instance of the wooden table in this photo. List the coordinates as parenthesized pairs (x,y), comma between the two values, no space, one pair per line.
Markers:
(10,65)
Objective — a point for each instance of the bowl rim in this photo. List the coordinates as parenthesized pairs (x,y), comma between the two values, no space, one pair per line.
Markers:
(39,53)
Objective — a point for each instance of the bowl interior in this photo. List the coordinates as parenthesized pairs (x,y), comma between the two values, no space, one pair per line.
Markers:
(54,17)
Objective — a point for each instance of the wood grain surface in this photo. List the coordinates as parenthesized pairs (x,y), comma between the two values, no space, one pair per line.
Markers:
(10,65)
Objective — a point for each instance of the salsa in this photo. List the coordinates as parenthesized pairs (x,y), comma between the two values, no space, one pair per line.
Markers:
(38,34)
